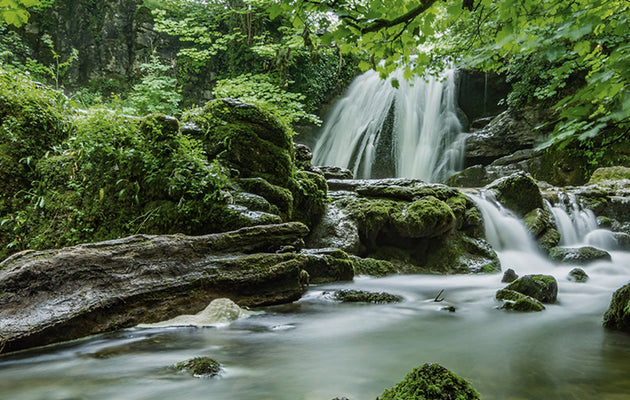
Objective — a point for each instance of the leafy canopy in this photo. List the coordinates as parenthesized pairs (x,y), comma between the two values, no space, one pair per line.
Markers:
(574,54)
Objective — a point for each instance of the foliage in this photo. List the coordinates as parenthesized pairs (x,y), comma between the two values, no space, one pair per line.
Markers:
(574,54)
(14,12)
(156,93)
(263,90)
(57,70)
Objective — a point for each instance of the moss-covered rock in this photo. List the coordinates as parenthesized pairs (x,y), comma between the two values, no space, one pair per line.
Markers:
(516,301)
(549,239)
(309,197)
(247,139)
(541,226)
(200,367)
(609,173)
(543,288)
(618,314)
(509,276)
(431,382)
(577,275)
(474,176)
(581,255)
(425,218)
(519,193)
(362,296)
(326,265)
(372,267)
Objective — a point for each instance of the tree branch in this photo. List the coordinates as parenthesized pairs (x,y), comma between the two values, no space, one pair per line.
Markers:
(405,18)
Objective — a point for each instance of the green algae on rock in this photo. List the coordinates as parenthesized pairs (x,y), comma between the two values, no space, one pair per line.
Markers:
(431,382)
(518,192)
(362,296)
(543,288)
(618,314)
(200,367)
(518,302)
(581,255)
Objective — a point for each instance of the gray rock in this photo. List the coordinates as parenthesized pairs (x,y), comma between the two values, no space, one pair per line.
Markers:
(331,172)
(509,276)
(55,295)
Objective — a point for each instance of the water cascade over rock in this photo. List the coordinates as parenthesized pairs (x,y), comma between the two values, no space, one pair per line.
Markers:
(378,131)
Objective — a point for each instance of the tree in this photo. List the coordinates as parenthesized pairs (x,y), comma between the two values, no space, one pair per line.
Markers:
(14,12)
(574,54)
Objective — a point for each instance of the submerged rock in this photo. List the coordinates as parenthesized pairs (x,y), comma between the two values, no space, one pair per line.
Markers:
(543,288)
(518,302)
(577,275)
(219,311)
(200,367)
(55,295)
(361,296)
(581,255)
(618,314)
(431,382)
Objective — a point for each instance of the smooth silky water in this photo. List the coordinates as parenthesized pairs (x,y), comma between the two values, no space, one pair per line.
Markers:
(318,348)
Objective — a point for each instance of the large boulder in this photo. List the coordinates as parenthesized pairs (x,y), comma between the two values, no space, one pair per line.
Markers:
(55,295)
(517,301)
(431,382)
(543,288)
(518,192)
(580,255)
(618,314)
(418,227)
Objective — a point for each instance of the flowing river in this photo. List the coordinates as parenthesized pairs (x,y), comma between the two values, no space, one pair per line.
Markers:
(318,348)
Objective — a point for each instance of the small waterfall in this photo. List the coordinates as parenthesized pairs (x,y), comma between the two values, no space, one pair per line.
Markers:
(378,131)
(503,230)
(574,223)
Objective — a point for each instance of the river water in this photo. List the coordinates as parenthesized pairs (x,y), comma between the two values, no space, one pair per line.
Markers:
(318,348)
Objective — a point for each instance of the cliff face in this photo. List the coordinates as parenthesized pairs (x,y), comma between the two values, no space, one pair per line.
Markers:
(113,38)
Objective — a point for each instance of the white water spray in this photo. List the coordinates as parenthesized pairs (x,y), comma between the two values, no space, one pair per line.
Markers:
(410,132)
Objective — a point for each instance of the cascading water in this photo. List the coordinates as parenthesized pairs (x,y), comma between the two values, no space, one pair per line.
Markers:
(378,131)
(578,225)
(503,230)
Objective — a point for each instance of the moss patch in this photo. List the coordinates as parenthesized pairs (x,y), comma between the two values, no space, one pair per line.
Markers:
(200,366)
(431,382)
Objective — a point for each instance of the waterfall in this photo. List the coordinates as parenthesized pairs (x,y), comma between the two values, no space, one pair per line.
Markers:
(378,131)
(503,230)
(578,225)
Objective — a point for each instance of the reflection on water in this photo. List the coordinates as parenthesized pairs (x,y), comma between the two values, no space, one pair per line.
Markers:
(318,348)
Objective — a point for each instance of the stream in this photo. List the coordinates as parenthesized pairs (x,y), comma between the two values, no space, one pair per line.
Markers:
(318,348)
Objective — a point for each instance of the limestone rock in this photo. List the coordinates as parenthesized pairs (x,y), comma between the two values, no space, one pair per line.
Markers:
(55,295)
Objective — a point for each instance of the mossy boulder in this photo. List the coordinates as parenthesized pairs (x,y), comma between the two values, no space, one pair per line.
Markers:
(362,296)
(276,195)
(580,255)
(326,265)
(519,193)
(509,276)
(618,314)
(474,176)
(541,226)
(200,367)
(247,139)
(516,301)
(609,173)
(577,275)
(543,288)
(309,197)
(427,217)
(431,382)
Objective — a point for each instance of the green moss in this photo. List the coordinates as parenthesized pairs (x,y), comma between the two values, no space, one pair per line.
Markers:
(518,302)
(372,267)
(582,255)
(543,288)
(276,195)
(362,296)
(200,366)
(309,193)
(427,217)
(618,314)
(519,193)
(431,382)
(612,173)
